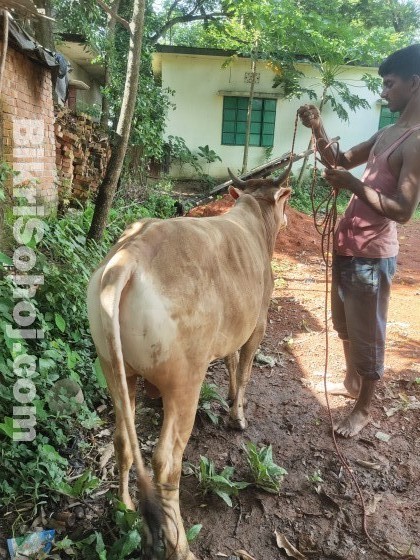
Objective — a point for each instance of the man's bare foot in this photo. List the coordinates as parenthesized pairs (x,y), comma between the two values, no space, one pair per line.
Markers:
(353,424)
(338,389)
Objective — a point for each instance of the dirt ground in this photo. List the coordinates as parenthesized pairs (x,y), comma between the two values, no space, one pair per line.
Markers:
(286,409)
(317,509)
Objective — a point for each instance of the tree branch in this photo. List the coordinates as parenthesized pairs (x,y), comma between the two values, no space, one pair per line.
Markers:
(114,15)
(183,19)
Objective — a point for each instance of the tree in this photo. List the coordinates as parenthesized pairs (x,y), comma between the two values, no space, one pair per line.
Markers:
(327,35)
(109,185)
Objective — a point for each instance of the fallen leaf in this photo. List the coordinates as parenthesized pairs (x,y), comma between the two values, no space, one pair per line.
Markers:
(243,554)
(391,411)
(382,436)
(368,465)
(371,504)
(291,551)
(106,455)
(263,359)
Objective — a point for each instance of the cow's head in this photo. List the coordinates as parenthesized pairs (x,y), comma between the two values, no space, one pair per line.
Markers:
(269,190)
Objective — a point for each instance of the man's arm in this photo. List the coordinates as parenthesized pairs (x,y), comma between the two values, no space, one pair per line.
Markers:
(402,205)
(330,154)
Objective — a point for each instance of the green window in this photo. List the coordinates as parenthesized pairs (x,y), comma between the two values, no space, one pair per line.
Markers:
(386,118)
(263,119)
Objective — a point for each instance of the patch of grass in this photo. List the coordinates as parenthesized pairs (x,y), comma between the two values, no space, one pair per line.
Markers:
(220,484)
(265,473)
(37,472)
(128,526)
(209,394)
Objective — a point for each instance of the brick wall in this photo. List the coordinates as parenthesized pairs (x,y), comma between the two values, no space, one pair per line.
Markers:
(27,140)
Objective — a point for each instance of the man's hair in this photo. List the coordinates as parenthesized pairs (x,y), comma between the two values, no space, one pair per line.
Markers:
(404,63)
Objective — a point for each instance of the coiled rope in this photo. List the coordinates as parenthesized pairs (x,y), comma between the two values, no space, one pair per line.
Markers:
(325,218)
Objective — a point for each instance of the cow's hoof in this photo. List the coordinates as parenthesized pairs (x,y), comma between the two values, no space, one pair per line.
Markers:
(238,424)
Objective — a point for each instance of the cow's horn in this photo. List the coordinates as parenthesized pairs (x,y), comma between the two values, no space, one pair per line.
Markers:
(236,181)
(281,178)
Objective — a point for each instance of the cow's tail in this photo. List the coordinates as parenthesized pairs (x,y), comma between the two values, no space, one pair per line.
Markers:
(115,277)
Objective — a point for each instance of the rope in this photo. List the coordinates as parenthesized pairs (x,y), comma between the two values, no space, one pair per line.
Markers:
(325,218)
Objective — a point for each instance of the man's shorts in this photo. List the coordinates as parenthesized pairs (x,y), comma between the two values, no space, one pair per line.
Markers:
(360,293)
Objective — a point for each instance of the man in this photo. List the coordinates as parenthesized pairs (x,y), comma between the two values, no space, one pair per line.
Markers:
(365,240)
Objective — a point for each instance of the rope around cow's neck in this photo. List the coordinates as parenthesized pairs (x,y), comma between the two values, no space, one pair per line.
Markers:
(325,217)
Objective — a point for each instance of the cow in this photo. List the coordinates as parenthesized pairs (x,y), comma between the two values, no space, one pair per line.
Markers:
(170,297)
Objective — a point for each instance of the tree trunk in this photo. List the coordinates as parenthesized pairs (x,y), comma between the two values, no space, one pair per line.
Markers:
(249,114)
(109,185)
(110,47)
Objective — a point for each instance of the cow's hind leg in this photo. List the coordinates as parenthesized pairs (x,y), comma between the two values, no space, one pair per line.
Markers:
(243,373)
(180,406)
(123,451)
(231,363)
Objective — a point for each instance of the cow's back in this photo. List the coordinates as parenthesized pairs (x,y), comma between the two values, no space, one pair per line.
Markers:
(196,291)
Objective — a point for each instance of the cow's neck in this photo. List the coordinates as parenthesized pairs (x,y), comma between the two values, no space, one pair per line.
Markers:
(270,226)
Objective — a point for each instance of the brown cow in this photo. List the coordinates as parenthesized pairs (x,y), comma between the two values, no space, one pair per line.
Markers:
(169,298)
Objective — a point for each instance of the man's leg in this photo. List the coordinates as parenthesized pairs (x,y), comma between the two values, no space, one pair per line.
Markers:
(360,415)
(350,388)
(352,382)
(365,289)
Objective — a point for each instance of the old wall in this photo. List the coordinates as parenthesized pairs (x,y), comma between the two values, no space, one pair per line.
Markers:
(27,123)
(82,155)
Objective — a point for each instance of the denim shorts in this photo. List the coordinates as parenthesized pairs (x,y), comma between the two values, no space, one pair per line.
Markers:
(360,293)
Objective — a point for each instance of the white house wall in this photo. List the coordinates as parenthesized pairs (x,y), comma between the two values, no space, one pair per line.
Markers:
(91,96)
(197,116)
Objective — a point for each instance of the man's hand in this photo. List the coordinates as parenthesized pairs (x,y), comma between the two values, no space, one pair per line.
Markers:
(310,116)
(340,178)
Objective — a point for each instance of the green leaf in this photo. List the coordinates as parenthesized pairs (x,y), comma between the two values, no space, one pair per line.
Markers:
(99,374)
(225,497)
(4,259)
(7,426)
(100,547)
(193,532)
(127,544)
(60,322)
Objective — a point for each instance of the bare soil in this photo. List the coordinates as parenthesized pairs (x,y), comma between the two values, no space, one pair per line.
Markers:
(323,520)
(318,508)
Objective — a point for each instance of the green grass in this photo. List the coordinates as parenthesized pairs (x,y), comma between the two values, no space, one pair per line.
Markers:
(38,472)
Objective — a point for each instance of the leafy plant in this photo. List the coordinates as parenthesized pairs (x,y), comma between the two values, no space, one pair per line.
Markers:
(94,547)
(208,154)
(315,478)
(37,471)
(85,484)
(220,484)
(266,474)
(209,394)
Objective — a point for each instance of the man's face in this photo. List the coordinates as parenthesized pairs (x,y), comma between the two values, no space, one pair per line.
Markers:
(396,91)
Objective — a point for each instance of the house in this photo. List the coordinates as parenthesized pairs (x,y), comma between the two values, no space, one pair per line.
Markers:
(210,107)
(86,76)
(27,140)
(63,152)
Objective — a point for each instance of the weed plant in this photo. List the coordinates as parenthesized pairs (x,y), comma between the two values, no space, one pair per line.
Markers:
(220,484)
(209,395)
(37,472)
(265,473)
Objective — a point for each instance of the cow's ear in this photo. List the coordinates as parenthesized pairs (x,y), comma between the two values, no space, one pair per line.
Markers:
(283,192)
(234,192)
